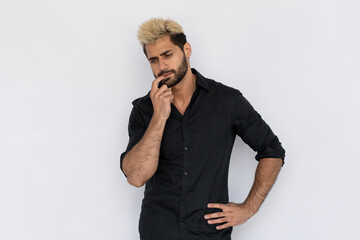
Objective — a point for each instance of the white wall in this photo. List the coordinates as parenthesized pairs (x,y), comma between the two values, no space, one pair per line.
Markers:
(70,69)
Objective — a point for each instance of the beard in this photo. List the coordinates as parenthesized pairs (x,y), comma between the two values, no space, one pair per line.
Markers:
(179,74)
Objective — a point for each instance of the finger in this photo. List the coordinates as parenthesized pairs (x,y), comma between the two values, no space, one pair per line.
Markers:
(168,99)
(166,96)
(226,225)
(219,220)
(156,82)
(163,91)
(214,215)
(166,93)
(216,205)
(164,87)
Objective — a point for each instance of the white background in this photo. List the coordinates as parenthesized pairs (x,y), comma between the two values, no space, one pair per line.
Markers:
(70,69)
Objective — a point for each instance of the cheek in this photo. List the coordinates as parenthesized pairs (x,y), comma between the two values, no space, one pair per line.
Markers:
(154,70)
(177,63)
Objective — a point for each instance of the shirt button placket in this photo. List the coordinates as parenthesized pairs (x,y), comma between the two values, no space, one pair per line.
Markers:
(185,172)
(184,181)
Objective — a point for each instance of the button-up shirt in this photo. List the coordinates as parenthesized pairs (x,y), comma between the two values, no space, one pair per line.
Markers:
(194,159)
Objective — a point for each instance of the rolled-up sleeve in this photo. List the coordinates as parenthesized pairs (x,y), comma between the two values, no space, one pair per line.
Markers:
(136,129)
(254,131)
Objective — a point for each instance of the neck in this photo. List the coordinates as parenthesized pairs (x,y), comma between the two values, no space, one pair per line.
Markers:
(184,90)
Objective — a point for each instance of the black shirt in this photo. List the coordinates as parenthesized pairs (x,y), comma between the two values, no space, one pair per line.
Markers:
(194,159)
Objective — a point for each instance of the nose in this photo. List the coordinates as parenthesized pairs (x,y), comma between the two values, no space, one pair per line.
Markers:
(162,65)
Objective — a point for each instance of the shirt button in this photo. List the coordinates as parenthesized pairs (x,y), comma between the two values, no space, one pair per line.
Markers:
(186,148)
(185,173)
(182,223)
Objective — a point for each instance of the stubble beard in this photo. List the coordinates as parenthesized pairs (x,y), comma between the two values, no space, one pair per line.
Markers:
(179,74)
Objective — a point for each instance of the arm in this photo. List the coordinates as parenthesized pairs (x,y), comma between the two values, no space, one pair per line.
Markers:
(233,214)
(141,162)
(265,176)
(249,125)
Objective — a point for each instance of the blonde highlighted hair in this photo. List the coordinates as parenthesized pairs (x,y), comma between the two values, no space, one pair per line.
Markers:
(156,28)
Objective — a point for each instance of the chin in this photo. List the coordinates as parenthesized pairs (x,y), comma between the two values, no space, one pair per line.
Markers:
(169,81)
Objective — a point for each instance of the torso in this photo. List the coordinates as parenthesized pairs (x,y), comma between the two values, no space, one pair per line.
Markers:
(181,109)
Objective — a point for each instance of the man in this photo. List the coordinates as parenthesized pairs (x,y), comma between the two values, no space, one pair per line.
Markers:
(181,137)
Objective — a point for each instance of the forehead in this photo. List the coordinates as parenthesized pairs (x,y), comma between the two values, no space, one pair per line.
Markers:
(159,46)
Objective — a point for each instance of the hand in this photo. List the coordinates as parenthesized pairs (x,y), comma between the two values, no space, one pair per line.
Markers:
(161,99)
(232,213)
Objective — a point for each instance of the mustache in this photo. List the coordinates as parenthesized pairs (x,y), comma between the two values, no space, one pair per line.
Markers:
(165,72)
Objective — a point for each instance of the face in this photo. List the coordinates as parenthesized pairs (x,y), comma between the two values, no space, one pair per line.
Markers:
(167,59)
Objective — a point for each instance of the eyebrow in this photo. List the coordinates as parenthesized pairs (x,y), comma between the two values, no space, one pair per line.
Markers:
(161,54)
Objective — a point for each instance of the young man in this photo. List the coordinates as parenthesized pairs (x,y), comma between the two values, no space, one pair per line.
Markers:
(181,137)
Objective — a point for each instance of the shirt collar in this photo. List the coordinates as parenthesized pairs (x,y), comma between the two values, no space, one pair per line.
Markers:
(200,81)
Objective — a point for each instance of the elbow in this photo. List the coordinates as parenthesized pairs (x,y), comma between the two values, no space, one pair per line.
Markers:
(133,179)
(130,176)
(134,182)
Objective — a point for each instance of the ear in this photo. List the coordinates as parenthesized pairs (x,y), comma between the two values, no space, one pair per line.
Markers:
(187,49)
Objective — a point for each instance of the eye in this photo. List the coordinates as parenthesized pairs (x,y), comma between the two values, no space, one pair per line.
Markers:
(168,55)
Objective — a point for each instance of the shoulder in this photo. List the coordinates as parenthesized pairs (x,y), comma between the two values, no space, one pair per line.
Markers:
(142,100)
(222,90)
(214,87)
(143,104)
(229,97)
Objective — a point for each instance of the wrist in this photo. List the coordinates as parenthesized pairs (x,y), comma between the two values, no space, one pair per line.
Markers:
(159,119)
(252,207)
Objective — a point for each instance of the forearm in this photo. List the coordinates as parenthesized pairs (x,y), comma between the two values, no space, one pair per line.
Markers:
(141,162)
(265,176)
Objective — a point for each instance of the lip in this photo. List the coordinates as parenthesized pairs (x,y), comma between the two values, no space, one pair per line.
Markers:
(165,75)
